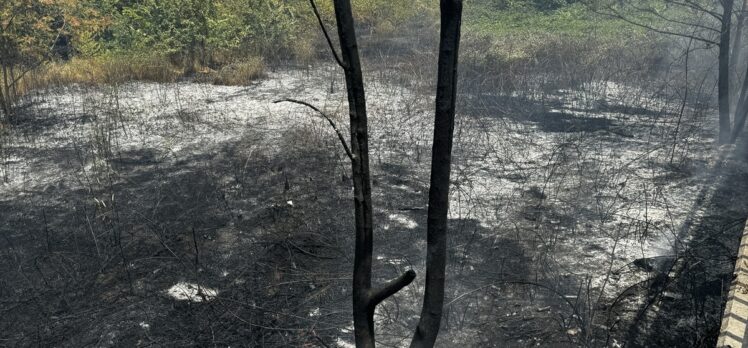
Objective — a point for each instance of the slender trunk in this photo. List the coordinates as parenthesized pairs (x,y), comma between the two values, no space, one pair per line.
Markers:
(737,41)
(683,104)
(736,46)
(436,253)
(7,98)
(365,299)
(724,73)
(3,107)
(13,83)
(363,320)
(742,110)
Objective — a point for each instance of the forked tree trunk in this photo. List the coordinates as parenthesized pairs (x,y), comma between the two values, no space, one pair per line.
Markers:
(723,88)
(441,159)
(365,299)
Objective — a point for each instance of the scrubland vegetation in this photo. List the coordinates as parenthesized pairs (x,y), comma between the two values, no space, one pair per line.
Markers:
(156,191)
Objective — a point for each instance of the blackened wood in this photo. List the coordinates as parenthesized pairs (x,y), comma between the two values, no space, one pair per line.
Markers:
(436,240)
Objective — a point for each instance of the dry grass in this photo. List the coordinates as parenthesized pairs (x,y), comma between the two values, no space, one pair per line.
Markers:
(119,69)
(240,73)
(98,71)
(306,52)
(108,70)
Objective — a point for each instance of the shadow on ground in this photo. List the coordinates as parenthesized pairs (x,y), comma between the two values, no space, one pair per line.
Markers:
(87,255)
(686,298)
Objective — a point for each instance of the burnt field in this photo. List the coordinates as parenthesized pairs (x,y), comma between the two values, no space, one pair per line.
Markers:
(189,214)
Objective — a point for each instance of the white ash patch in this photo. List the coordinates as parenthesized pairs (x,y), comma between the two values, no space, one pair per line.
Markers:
(403,220)
(184,291)
(344,344)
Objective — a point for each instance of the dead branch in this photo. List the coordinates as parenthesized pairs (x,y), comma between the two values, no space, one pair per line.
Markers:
(327,36)
(329,120)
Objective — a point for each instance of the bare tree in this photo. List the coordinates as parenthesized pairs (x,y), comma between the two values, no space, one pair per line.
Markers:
(697,25)
(723,84)
(741,110)
(737,47)
(441,159)
(365,297)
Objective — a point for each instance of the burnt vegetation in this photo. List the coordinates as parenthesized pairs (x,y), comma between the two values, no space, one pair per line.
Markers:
(339,173)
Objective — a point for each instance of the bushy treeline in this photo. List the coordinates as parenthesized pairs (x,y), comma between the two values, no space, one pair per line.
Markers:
(45,42)
(197,31)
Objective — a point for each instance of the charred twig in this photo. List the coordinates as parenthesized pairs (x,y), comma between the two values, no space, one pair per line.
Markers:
(321,341)
(329,120)
(327,36)
(308,253)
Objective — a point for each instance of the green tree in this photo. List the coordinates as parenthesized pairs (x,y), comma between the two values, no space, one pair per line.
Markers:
(180,28)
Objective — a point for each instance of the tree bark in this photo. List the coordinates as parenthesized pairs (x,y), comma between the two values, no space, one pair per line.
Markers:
(5,94)
(365,299)
(736,46)
(741,110)
(741,107)
(3,107)
(436,253)
(723,89)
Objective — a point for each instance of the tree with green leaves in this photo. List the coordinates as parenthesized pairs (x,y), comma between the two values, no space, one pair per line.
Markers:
(30,31)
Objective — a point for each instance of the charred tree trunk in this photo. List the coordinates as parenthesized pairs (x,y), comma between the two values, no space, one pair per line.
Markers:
(724,73)
(741,106)
(365,299)
(737,40)
(6,98)
(741,110)
(737,47)
(3,107)
(441,159)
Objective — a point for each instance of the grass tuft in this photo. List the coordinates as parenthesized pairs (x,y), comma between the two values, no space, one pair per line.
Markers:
(240,73)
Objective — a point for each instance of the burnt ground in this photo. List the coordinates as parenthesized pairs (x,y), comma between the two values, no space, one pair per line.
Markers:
(686,295)
(573,222)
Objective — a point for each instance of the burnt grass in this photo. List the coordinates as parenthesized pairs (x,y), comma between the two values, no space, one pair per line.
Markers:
(172,220)
(98,231)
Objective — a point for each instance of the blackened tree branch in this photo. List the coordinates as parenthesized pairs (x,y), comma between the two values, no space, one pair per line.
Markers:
(327,35)
(329,120)
(695,6)
(617,15)
(392,287)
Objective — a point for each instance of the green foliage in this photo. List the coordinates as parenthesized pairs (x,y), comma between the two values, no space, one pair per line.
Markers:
(30,31)
(537,5)
(191,28)
(27,29)
(522,17)
(264,27)
(174,26)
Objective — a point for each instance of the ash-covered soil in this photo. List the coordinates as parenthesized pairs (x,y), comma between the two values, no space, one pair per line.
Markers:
(193,215)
